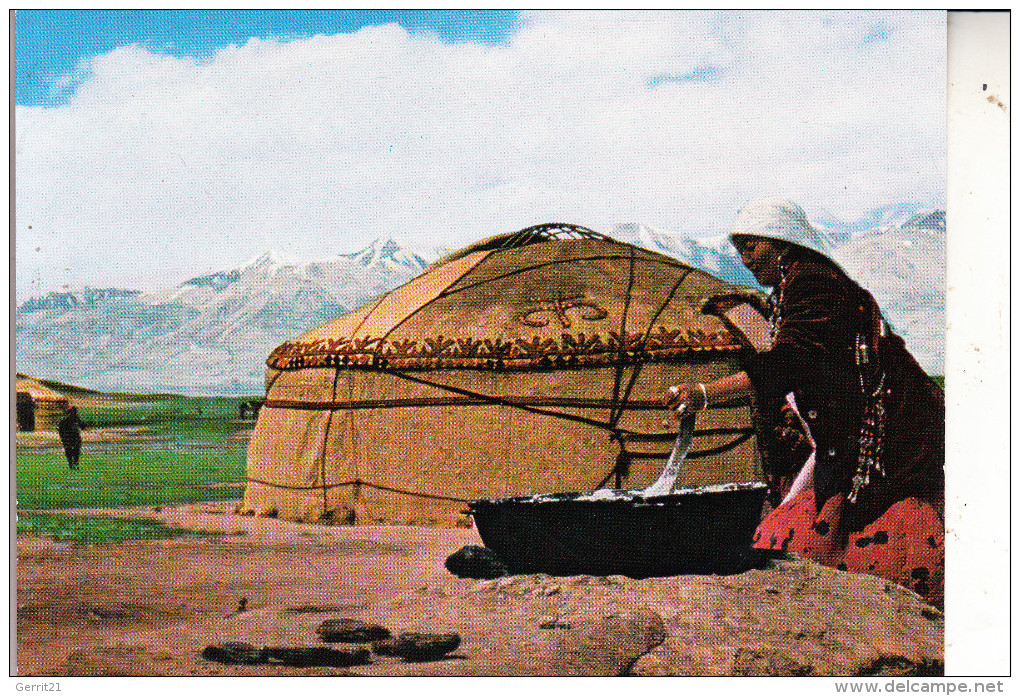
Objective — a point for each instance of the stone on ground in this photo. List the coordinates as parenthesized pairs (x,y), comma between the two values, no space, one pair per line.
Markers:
(418,647)
(350,631)
(476,562)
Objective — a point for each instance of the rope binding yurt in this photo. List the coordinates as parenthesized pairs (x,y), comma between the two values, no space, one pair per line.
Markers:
(569,329)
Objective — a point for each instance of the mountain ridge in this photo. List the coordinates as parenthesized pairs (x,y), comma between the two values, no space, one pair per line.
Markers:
(210,334)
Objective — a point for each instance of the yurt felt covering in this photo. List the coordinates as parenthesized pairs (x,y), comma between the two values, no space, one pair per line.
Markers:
(47,405)
(501,371)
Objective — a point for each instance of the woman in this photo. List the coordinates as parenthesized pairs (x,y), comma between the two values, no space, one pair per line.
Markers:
(870,497)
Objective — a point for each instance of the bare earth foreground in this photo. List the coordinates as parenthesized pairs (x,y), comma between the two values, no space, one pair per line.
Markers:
(150,607)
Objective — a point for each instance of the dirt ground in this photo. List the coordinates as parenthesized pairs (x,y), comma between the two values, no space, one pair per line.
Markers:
(73,599)
(150,607)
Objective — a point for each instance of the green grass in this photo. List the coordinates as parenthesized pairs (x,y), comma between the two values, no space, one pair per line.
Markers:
(98,530)
(124,479)
(189,450)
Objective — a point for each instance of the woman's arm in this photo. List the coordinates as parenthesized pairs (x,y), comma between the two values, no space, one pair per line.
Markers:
(696,396)
(815,315)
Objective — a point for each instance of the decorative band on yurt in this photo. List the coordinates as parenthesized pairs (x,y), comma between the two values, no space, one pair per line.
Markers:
(571,350)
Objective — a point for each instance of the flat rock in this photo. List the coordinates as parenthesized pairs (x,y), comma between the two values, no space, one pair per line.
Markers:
(476,562)
(316,657)
(418,647)
(797,619)
(234,653)
(604,645)
(793,618)
(350,631)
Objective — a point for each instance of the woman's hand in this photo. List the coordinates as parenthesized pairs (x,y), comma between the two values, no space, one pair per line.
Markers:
(685,399)
(695,397)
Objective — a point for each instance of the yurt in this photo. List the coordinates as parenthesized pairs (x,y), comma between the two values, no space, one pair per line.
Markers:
(38,407)
(526,363)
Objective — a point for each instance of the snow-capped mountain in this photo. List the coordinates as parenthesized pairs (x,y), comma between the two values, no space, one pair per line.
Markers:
(209,334)
(896,253)
(713,255)
(386,254)
(904,267)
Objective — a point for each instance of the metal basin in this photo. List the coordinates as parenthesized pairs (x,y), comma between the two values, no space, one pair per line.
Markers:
(702,530)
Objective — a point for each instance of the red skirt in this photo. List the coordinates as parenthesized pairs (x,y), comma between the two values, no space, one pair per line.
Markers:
(906,545)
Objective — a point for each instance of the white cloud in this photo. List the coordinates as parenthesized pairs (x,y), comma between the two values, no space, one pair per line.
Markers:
(161,168)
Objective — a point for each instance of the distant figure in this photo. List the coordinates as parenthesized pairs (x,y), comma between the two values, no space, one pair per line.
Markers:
(70,428)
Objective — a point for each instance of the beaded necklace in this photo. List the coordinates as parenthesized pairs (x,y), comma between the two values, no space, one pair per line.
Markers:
(871,442)
(776,300)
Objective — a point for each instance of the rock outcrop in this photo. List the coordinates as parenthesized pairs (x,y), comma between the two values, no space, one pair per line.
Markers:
(793,618)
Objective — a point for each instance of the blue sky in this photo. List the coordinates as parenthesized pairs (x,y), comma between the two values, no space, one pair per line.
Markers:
(50,43)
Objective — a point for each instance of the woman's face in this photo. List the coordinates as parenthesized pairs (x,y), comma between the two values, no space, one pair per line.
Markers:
(761,256)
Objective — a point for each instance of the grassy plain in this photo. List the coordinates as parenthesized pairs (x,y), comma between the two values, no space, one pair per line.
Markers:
(159,451)
(164,450)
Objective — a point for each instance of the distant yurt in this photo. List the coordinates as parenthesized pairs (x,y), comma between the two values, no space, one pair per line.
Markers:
(38,407)
(530,362)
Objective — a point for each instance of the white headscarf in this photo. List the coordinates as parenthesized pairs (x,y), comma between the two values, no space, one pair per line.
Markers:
(775,218)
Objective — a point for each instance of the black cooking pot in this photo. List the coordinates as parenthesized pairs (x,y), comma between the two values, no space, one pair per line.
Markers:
(705,530)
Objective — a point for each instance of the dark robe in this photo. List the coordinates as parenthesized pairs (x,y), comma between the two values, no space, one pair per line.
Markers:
(823,318)
(69,429)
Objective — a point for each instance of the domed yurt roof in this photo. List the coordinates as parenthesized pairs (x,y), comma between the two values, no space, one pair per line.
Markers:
(38,407)
(530,362)
(553,295)
(39,391)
